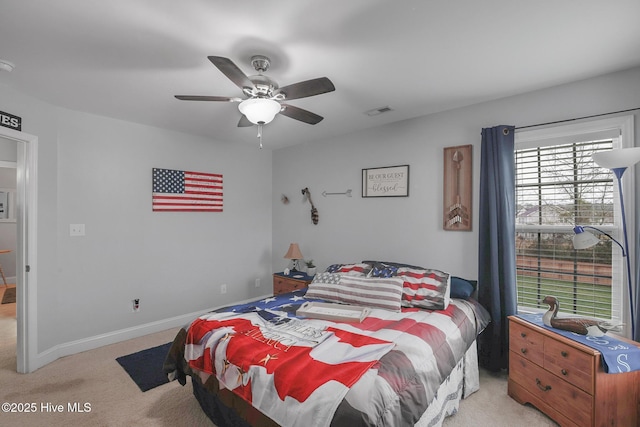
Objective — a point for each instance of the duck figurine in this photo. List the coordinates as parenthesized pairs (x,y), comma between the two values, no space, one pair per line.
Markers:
(579,325)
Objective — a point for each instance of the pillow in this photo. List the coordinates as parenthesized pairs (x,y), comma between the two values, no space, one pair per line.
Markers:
(391,263)
(381,269)
(425,288)
(333,268)
(462,288)
(350,269)
(384,293)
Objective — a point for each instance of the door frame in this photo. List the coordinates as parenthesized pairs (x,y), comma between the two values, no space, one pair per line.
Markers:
(26,263)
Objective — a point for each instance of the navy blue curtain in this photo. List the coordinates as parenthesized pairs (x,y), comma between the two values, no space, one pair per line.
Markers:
(497,251)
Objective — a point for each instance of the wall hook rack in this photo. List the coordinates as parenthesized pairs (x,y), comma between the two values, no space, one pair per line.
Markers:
(346,193)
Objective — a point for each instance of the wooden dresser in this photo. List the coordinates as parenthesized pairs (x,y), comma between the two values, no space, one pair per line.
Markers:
(290,283)
(565,379)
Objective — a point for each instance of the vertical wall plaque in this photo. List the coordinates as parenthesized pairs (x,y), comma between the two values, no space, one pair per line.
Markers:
(458,162)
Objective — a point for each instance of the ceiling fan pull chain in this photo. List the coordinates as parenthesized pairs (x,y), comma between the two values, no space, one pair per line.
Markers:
(260,134)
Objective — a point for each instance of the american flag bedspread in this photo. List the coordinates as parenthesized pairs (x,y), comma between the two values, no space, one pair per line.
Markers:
(310,372)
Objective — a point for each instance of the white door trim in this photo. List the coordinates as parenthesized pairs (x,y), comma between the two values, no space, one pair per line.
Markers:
(26,220)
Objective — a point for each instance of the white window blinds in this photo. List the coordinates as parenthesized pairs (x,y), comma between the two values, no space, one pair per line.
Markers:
(559,186)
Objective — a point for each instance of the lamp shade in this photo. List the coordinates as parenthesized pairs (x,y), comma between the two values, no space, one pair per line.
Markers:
(293,252)
(583,239)
(619,158)
(259,110)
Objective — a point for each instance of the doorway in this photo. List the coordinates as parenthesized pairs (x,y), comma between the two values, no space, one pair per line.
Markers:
(26,248)
(8,245)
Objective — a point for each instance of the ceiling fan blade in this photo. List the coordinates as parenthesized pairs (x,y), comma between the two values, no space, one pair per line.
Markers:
(207,98)
(300,114)
(244,122)
(307,88)
(232,71)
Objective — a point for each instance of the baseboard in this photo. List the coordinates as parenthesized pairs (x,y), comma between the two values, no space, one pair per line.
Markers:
(90,343)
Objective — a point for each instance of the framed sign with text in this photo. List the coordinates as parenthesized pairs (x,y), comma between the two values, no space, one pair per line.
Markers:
(390,181)
(10,121)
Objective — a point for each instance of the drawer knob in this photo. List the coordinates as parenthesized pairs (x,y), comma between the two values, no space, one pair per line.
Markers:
(522,334)
(564,353)
(541,387)
(523,350)
(564,372)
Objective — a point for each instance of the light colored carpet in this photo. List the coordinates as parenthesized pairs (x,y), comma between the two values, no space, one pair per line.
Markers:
(94,377)
(492,407)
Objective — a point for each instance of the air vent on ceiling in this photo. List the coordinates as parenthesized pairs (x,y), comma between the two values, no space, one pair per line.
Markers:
(378,111)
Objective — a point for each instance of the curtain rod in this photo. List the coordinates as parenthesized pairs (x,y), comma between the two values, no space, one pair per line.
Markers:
(578,118)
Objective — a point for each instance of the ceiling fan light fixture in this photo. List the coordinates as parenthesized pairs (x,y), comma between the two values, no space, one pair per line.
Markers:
(259,110)
(263,95)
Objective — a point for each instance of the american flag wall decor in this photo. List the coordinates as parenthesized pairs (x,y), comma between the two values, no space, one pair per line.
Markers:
(181,191)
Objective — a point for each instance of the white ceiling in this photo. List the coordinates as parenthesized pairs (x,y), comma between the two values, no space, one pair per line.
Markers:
(128,58)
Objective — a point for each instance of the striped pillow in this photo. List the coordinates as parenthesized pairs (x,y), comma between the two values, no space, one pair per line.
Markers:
(375,292)
(351,269)
(425,288)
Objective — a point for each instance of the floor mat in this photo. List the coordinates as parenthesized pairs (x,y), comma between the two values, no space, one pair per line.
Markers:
(145,367)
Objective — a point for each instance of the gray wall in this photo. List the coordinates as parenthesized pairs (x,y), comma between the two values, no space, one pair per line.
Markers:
(410,229)
(97,171)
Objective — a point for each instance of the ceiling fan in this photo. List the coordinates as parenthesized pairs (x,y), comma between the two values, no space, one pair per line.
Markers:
(264,98)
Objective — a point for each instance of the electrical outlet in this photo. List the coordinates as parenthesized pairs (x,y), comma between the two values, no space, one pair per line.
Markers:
(223,289)
(136,305)
(76,229)
(257,283)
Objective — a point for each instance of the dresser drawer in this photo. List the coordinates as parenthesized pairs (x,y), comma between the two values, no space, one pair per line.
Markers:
(572,402)
(569,363)
(526,342)
(283,285)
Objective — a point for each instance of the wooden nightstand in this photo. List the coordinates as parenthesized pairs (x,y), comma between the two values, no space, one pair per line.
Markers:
(565,379)
(290,283)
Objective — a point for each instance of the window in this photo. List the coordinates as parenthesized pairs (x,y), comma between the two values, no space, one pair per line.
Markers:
(559,186)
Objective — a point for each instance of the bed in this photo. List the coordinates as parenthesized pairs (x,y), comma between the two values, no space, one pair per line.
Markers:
(407,361)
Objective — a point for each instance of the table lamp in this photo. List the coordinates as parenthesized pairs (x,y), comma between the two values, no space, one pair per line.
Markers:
(294,254)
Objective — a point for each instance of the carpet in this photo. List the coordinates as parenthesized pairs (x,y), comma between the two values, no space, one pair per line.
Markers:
(9,296)
(145,367)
